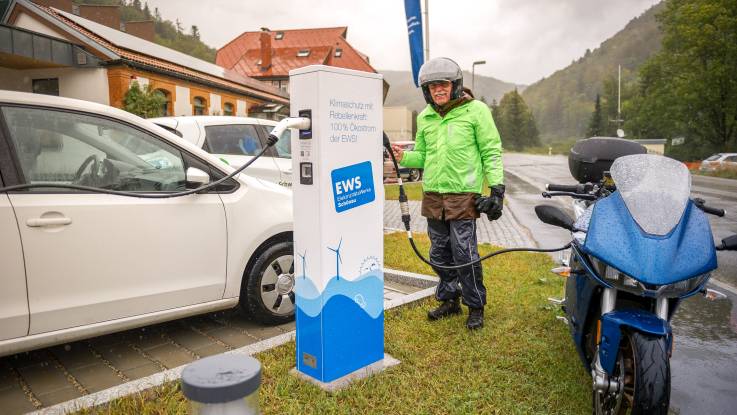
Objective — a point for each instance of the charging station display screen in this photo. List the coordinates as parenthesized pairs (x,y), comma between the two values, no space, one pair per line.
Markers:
(353,186)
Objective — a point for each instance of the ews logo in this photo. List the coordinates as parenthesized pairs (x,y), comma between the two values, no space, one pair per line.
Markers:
(353,186)
(347,186)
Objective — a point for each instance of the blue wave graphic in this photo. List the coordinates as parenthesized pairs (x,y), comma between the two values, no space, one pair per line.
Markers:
(342,337)
(367,291)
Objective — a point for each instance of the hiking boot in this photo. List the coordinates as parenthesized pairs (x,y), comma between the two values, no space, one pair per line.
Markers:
(475,318)
(446,308)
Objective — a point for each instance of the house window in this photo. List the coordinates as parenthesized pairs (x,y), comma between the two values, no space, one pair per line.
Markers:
(338,52)
(46,86)
(166,106)
(279,36)
(303,53)
(200,106)
(228,109)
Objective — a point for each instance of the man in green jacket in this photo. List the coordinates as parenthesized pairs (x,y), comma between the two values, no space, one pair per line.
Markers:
(459,147)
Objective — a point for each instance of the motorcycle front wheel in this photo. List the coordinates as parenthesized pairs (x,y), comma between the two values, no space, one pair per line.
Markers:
(643,370)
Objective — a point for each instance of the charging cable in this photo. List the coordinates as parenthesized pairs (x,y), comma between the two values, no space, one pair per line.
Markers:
(297,122)
(404,208)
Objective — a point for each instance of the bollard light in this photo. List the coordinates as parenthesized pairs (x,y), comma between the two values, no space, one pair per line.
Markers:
(225,384)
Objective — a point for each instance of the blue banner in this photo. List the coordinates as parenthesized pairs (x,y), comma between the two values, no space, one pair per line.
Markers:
(414,30)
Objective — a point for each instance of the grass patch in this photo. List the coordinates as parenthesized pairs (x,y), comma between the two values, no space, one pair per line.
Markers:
(522,362)
(414,191)
(723,173)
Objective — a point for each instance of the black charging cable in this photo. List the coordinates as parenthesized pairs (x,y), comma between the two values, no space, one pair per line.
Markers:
(271,141)
(404,208)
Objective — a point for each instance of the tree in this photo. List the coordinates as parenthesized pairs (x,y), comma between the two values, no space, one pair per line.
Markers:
(195,32)
(146,11)
(144,102)
(690,87)
(157,14)
(596,124)
(179,26)
(136,4)
(515,122)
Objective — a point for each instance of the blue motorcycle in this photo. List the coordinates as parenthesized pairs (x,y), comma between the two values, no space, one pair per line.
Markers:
(640,246)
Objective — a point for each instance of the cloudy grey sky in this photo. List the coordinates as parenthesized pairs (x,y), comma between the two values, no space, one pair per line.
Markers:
(521,40)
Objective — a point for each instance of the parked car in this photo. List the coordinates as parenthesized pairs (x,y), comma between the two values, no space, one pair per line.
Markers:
(390,174)
(79,264)
(720,161)
(236,140)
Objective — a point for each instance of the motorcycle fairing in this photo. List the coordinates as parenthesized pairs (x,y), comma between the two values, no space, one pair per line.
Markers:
(611,332)
(616,239)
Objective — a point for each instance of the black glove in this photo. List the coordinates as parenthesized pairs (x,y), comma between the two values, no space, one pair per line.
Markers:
(493,204)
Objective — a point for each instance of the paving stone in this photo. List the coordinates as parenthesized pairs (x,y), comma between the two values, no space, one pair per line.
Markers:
(6,378)
(96,377)
(73,355)
(14,401)
(189,339)
(255,329)
(210,349)
(44,378)
(142,371)
(149,340)
(170,356)
(232,337)
(58,396)
(123,357)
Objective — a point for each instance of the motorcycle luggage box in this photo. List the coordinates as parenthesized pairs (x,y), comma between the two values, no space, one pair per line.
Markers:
(591,157)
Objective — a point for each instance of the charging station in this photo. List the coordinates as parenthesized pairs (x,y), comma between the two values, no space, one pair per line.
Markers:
(338,220)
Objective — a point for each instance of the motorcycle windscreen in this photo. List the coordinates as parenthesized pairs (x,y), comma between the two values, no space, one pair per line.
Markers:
(615,238)
(655,189)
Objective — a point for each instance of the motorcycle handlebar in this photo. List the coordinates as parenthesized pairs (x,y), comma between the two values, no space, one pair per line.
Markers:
(701,204)
(573,188)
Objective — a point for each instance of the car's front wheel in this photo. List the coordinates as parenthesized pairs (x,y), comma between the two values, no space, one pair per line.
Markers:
(268,295)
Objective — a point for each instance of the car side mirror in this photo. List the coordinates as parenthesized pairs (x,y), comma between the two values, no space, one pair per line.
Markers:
(196,178)
(554,216)
(729,244)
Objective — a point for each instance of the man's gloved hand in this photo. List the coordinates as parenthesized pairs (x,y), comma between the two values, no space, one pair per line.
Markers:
(493,204)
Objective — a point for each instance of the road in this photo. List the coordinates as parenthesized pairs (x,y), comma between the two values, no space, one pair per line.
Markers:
(704,362)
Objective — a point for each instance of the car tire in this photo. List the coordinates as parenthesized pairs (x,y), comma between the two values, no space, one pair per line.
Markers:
(268,293)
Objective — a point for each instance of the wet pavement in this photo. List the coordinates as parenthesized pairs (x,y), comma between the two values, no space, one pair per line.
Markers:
(704,362)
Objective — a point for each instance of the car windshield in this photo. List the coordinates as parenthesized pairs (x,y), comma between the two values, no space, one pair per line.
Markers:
(714,157)
(654,188)
(233,139)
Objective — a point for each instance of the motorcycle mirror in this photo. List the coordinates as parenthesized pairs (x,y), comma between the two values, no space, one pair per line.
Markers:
(729,243)
(554,216)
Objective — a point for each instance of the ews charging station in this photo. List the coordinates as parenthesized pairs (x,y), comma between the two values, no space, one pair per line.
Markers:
(338,220)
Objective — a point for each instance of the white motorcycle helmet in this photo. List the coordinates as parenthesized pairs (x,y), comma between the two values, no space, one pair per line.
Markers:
(441,69)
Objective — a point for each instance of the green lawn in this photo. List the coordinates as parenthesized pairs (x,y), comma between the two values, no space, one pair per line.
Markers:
(414,191)
(522,362)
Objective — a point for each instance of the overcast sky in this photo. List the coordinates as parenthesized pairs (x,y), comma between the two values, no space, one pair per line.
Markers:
(521,40)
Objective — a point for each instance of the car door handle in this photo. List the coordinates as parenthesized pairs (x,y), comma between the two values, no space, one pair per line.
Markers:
(39,222)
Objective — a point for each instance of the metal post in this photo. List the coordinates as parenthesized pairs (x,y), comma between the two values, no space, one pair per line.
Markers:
(619,98)
(427,31)
(473,74)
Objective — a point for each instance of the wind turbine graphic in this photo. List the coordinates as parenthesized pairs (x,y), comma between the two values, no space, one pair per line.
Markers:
(304,263)
(338,258)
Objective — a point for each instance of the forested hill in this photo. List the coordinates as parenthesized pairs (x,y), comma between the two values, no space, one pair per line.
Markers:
(167,33)
(563,102)
(402,91)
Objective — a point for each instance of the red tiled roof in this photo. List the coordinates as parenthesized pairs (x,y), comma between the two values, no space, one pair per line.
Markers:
(237,81)
(243,52)
(282,60)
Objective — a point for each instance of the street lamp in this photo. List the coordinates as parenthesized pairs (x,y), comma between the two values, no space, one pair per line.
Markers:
(473,73)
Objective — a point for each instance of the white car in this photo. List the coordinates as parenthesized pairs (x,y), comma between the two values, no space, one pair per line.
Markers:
(77,264)
(719,161)
(236,140)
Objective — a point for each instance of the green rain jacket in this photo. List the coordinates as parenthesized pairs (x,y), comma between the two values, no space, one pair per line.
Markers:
(457,151)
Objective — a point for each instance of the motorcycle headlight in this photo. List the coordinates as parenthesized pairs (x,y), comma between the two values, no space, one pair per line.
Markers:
(622,281)
(684,287)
